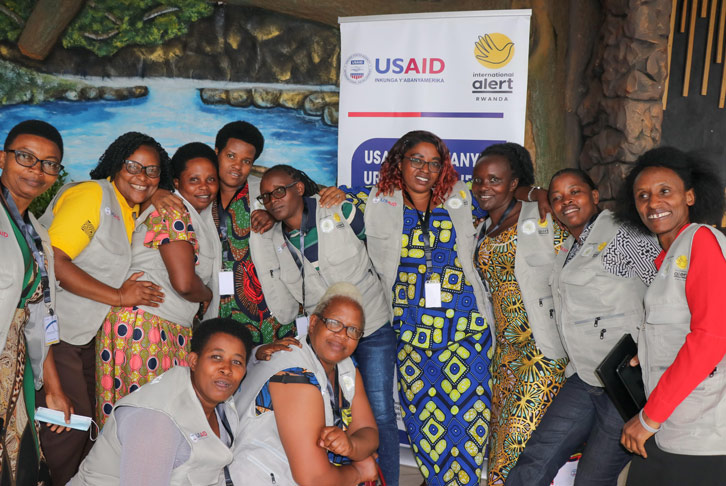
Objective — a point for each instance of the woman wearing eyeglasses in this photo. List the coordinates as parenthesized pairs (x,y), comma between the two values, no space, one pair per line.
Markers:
(180,252)
(30,163)
(90,227)
(311,247)
(304,414)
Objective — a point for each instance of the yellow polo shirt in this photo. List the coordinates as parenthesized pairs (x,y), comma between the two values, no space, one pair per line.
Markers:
(77,214)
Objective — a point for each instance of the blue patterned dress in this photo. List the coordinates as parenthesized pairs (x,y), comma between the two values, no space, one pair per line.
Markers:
(443,356)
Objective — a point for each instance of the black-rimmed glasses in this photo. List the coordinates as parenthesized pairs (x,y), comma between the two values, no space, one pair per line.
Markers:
(277,193)
(26,159)
(133,167)
(337,326)
(416,163)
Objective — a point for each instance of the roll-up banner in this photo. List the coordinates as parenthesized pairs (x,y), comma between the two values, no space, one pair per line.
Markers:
(460,75)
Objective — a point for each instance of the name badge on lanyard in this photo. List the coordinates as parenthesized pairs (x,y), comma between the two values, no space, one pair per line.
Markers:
(432,294)
(52,334)
(226,283)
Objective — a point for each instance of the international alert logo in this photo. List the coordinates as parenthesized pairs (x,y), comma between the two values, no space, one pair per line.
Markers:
(494,51)
(357,68)
(682,262)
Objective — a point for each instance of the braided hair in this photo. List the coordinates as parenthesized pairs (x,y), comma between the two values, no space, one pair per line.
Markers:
(311,187)
(520,162)
(112,160)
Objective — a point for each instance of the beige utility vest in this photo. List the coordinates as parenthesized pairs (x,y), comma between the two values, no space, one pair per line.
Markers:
(593,307)
(342,257)
(259,456)
(176,308)
(533,263)
(698,425)
(12,272)
(106,258)
(171,394)
(384,227)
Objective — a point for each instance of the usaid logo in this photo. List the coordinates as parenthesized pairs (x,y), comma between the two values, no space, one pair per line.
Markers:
(357,68)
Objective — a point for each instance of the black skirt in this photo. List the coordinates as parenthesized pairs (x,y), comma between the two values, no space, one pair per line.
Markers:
(663,468)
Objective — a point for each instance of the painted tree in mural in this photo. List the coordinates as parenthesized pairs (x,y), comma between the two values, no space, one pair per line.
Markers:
(101,26)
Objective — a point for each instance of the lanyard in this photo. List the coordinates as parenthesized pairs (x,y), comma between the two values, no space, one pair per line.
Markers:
(225,423)
(224,218)
(487,231)
(34,243)
(424,221)
(300,259)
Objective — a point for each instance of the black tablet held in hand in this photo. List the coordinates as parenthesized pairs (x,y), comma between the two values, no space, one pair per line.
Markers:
(623,383)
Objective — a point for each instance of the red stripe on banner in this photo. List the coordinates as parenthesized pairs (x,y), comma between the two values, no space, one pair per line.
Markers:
(384,114)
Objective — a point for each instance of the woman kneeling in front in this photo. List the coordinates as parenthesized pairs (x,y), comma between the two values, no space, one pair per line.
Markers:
(177,429)
(304,415)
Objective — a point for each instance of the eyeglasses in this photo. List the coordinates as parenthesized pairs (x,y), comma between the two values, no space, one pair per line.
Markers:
(416,163)
(133,167)
(337,326)
(277,193)
(50,167)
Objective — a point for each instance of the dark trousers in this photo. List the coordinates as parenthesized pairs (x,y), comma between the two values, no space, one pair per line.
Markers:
(579,413)
(76,370)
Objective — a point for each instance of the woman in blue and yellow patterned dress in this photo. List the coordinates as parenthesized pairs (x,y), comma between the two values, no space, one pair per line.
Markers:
(421,240)
(524,380)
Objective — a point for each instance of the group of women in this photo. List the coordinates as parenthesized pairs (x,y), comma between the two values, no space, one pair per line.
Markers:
(492,313)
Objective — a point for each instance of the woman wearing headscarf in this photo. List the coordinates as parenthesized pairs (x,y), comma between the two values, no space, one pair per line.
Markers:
(678,437)
(515,254)
(180,252)
(30,163)
(90,226)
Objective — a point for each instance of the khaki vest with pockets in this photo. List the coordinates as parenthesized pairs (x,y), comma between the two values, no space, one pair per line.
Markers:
(698,425)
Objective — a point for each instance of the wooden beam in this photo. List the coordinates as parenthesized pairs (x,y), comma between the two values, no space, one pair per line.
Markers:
(671,35)
(684,15)
(689,51)
(46,23)
(709,49)
(704,8)
(721,27)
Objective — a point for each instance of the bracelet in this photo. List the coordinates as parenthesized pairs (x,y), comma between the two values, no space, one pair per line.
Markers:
(645,425)
(531,190)
(120,300)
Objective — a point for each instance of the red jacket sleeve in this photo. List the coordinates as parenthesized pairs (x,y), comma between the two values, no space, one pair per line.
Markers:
(705,345)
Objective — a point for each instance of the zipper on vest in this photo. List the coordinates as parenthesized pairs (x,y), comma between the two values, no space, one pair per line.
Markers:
(602,333)
(713,372)
(272,477)
(596,320)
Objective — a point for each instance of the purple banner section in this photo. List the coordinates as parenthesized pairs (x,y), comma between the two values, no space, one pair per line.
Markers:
(459,114)
(369,156)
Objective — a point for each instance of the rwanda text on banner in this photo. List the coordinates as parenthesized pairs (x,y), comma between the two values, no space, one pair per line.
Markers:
(460,75)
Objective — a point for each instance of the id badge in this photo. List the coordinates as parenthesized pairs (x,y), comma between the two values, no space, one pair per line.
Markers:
(301,323)
(226,283)
(432,291)
(52,334)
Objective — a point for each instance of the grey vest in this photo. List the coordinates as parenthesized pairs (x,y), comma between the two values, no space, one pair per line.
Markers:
(342,257)
(172,394)
(533,262)
(106,258)
(384,227)
(176,308)
(11,279)
(593,307)
(698,425)
(261,454)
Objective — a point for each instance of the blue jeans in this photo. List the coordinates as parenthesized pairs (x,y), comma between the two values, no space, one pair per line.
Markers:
(376,358)
(579,413)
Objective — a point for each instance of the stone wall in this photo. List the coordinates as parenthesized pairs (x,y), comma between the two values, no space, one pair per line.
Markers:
(622,112)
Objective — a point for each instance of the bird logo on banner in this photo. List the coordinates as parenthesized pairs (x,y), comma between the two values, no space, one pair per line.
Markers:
(494,50)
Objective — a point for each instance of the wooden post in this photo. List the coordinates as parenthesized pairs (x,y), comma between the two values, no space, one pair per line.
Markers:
(704,8)
(689,51)
(46,23)
(684,15)
(709,49)
(671,35)
(721,27)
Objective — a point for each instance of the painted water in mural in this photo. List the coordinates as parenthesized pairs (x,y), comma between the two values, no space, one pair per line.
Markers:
(174,114)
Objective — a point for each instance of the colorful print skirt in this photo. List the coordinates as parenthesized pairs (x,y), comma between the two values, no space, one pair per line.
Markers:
(133,347)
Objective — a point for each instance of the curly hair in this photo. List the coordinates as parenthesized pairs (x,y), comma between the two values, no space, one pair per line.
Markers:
(311,187)
(520,162)
(240,130)
(206,329)
(392,177)
(695,171)
(189,151)
(112,160)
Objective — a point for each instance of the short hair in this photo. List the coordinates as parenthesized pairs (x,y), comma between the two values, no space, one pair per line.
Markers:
(190,151)
(341,291)
(392,176)
(241,130)
(112,160)
(520,162)
(38,128)
(311,187)
(695,171)
(226,325)
(579,173)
